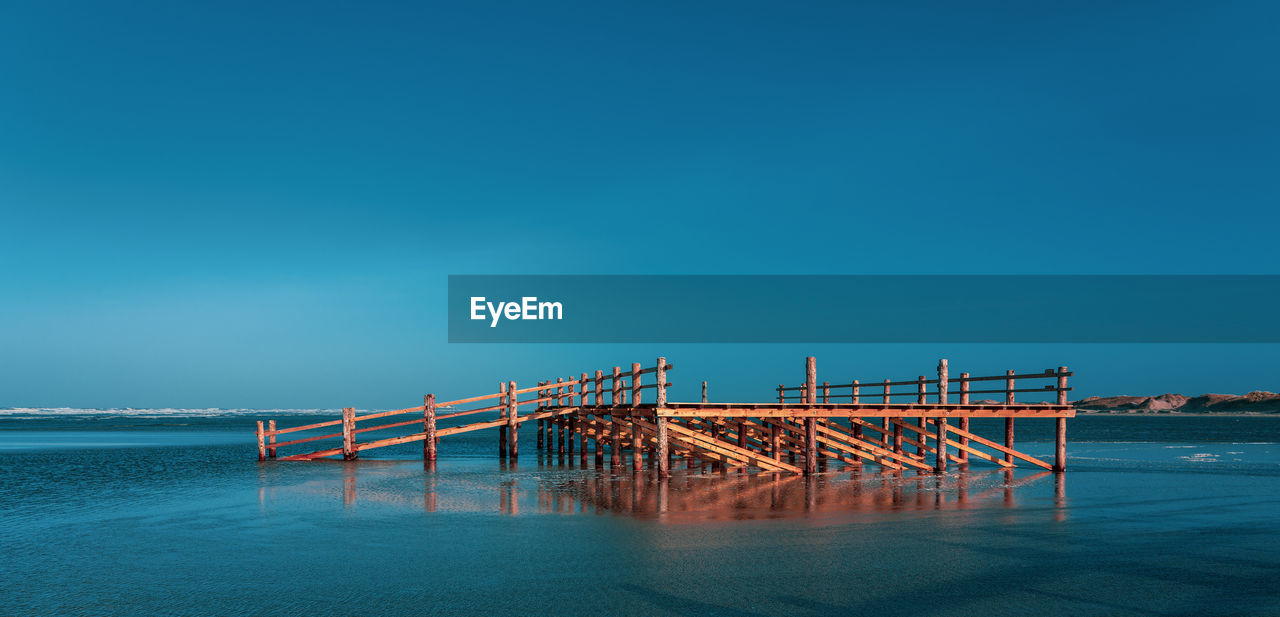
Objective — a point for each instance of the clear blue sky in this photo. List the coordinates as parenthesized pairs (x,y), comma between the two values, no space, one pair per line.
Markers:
(232,204)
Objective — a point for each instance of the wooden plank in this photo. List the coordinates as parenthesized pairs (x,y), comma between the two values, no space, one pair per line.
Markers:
(842,411)
(875,449)
(754,458)
(995,446)
(978,453)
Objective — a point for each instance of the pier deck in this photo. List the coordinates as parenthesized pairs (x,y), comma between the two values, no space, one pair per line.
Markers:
(809,423)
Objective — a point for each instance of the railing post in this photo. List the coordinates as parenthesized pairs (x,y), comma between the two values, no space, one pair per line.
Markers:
(271,438)
(429,427)
(775,433)
(262,444)
(502,415)
(664,451)
(583,421)
(637,453)
(615,426)
(922,398)
(541,422)
(886,420)
(348,433)
(1060,435)
(856,398)
(704,391)
(513,426)
(560,421)
(810,423)
(940,461)
(964,421)
(1008,422)
(597,420)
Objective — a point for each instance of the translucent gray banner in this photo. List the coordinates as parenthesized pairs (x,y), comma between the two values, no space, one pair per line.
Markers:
(864,309)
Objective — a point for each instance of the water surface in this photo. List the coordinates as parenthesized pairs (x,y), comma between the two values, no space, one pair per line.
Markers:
(172,515)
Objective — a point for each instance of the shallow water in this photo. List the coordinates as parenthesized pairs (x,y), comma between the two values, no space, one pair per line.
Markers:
(112,515)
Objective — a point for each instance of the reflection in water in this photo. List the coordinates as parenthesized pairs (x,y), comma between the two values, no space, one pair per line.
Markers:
(686,496)
(690,497)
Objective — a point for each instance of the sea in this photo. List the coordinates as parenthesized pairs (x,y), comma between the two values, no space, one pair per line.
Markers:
(169,512)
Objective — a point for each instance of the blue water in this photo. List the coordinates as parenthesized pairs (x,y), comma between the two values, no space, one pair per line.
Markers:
(174,515)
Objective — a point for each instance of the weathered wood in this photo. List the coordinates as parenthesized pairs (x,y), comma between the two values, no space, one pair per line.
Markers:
(615,448)
(940,460)
(560,422)
(704,388)
(429,427)
(728,430)
(538,436)
(1060,430)
(964,421)
(1009,453)
(884,456)
(923,432)
(502,416)
(845,410)
(599,443)
(637,453)
(262,444)
(513,425)
(664,452)
(581,420)
(348,433)
(810,424)
(1008,422)
(724,448)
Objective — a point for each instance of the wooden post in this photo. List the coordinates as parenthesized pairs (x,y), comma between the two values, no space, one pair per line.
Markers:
(775,432)
(541,423)
(885,420)
(1060,435)
(964,421)
(615,449)
(897,428)
(582,419)
(271,438)
(502,414)
(704,391)
(262,444)
(560,447)
(810,423)
(856,397)
(922,394)
(596,420)
(664,452)
(637,452)
(429,427)
(940,460)
(1008,422)
(348,433)
(569,422)
(513,427)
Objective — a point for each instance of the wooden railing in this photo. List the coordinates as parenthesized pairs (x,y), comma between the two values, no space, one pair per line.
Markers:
(506,402)
(883,391)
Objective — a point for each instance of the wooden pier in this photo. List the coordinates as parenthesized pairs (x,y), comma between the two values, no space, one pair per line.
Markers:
(920,424)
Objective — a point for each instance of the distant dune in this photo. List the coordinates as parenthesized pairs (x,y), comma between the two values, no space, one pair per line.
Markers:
(1253,402)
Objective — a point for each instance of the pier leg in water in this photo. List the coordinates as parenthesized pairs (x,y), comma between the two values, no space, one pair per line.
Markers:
(513,427)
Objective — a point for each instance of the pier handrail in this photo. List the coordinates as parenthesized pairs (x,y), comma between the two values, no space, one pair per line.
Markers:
(618,381)
(880,389)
